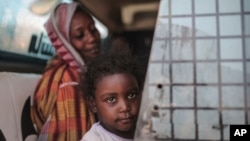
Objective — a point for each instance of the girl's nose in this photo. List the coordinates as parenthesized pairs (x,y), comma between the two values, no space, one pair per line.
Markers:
(124,106)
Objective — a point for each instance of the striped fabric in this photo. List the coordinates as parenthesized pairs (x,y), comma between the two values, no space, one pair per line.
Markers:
(59,111)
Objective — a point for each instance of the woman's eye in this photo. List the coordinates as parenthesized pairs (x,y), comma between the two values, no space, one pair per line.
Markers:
(111,100)
(93,29)
(79,36)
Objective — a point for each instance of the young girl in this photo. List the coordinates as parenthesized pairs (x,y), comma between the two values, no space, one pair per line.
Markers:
(113,84)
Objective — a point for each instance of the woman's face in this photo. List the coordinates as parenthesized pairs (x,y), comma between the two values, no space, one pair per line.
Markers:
(84,36)
(117,101)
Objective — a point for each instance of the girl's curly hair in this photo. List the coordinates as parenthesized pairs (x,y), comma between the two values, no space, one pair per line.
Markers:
(109,64)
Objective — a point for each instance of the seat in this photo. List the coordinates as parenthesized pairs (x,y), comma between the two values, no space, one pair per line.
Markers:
(17,90)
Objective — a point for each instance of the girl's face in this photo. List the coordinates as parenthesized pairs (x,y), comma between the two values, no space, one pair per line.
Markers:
(84,36)
(117,102)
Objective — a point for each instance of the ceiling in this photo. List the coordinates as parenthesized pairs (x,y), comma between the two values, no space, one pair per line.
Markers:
(124,15)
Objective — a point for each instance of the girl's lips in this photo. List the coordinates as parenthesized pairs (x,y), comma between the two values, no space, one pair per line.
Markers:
(126,120)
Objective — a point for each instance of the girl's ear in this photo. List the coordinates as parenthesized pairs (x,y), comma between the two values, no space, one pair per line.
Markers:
(93,104)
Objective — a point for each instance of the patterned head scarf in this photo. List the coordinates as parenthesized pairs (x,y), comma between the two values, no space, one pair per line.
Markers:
(57,28)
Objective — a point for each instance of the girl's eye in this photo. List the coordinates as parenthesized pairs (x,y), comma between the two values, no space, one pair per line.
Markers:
(132,95)
(111,100)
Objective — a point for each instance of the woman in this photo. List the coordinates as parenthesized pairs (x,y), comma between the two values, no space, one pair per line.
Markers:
(59,111)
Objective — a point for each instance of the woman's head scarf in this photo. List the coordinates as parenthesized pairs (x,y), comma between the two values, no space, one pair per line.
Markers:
(57,27)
